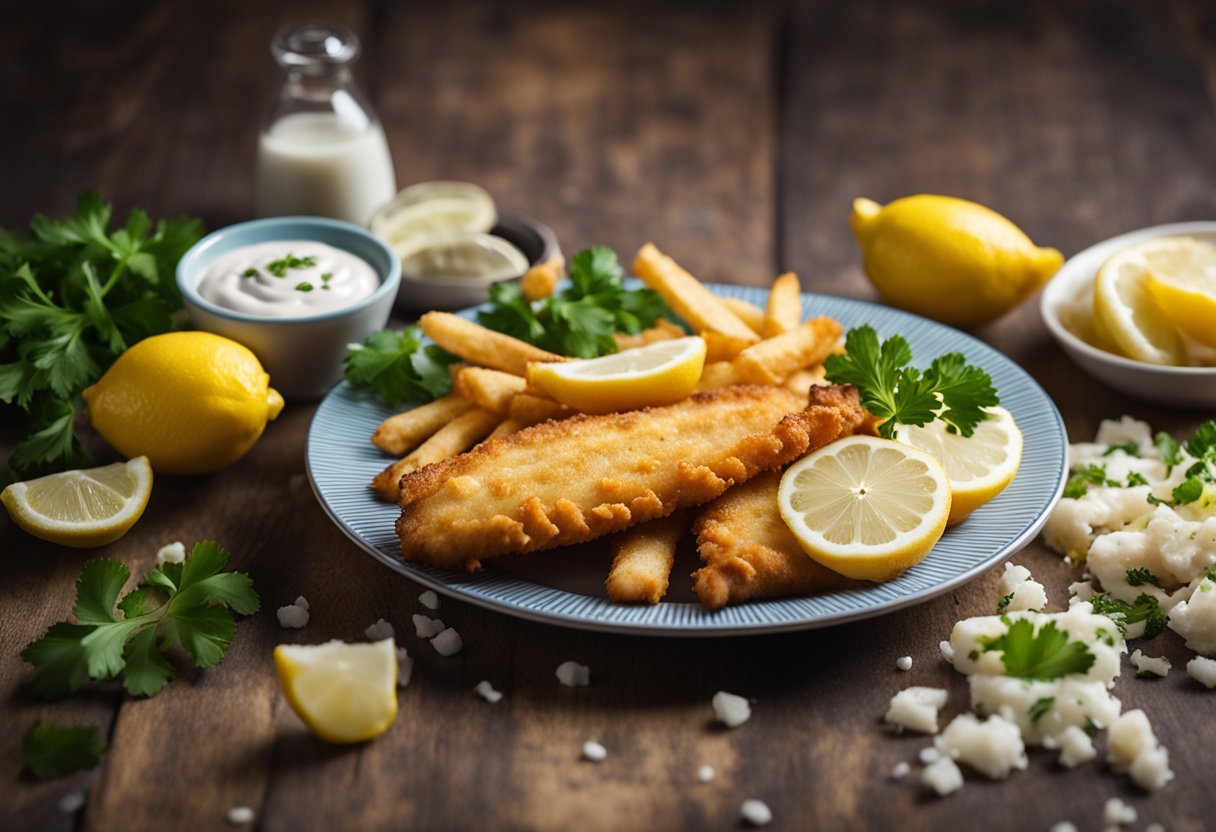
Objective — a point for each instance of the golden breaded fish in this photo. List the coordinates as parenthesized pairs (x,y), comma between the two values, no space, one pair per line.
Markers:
(567,482)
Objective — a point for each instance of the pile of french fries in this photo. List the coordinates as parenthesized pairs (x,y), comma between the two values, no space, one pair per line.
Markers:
(492,398)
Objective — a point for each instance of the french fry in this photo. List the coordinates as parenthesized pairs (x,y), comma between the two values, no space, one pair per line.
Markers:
(479,345)
(488,389)
(801,381)
(748,312)
(718,374)
(403,431)
(642,559)
(719,347)
(506,427)
(772,360)
(456,437)
(700,308)
(532,410)
(783,311)
(540,280)
(664,330)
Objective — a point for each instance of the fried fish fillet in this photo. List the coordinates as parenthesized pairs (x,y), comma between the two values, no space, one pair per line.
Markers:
(567,482)
(748,550)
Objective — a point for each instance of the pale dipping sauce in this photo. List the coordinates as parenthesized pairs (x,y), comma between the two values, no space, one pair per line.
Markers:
(288,279)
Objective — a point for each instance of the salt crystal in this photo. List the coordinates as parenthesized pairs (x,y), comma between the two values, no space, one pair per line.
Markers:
(240,815)
(429,600)
(705,774)
(756,812)
(379,631)
(447,643)
(292,617)
(731,709)
(594,752)
(427,627)
(573,675)
(486,691)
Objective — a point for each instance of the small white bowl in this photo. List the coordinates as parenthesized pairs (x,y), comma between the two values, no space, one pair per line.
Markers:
(302,355)
(1067,305)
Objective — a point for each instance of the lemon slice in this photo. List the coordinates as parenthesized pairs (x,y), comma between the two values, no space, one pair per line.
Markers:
(865,507)
(461,254)
(435,208)
(1125,308)
(344,693)
(85,508)
(979,466)
(655,374)
(1182,279)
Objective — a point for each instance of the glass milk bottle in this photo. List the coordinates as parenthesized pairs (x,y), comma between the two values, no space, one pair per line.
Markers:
(322,150)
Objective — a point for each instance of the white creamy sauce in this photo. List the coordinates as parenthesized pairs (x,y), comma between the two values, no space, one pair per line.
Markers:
(288,279)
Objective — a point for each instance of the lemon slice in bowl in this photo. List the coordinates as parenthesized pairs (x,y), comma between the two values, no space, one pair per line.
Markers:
(435,208)
(344,693)
(655,374)
(83,509)
(865,507)
(979,466)
(1182,279)
(460,254)
(1125,308)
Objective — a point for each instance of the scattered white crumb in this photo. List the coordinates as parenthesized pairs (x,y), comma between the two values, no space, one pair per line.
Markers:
(301,602)
(1154,827)
(429,600)
(756,812)
(379,631)
(943,776)
(173,553)
(447,643)
(1155,665)
(993,746)
(947,650)
(1063,826)
(705,774)
(594,752)
(1075,746)
(574,675)
(904,662)
(915,709)
(928,755)
(486,691)
(71,802)
(1132,748)
(900,770)
(405,667)
(730,709)
(239,815)
(1202,670)
(292,617)
(1118,813)
(1080,591)
(427,627)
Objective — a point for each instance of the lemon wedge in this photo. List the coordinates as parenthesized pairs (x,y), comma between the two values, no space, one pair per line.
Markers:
(655,374)
(344,693)
(1125,307)
(865,507)
(979,466)
(1182,279)
(85,508)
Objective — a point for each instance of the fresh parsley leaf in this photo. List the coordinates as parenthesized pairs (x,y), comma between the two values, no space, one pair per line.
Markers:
(52,750)
(1169,449)
(1129,448)
(1091,474)
(1144,609)
(1202,441)
(1045,655)
(189,603)
(1135,478)
(1003,604)
(1142,575)
(1187,491)
(398,368)
(1040,707)
(950,390)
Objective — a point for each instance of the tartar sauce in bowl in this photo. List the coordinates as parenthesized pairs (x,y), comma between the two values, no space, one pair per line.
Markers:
(287,279)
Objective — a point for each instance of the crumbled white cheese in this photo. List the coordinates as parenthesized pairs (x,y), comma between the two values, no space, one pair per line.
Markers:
(1195,619)
(900,770)
(916,708)
(947,650)
(1132,748)
(730,709)
(447,643)
(292,616)
(943,776)
(756,812)
(1202,671)
(1155,665)
(1075,746)
(574,675)
(1023,592)
(429,600)
(594,752)
(904,663)
(705,774)
(175,552)
(71,802)
(427,627)
(1074,524)
(1073,702)
(993,747)
(486,691)
(1080,591)
(1117,813)
(1063,826)
(928,755)
(240,815)
(405,667)
(379,631)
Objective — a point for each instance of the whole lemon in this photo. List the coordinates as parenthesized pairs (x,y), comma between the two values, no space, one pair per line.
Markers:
(949,259)
(192,402)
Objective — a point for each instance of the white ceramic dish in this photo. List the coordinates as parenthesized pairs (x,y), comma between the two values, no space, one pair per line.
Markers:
(566,586)
(1066,306)
(302,355)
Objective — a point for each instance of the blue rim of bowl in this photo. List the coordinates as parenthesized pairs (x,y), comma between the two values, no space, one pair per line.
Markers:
(389,283)
(1054,297)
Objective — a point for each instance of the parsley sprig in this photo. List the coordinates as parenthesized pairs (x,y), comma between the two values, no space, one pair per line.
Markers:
(580,320)
(53,750)
(189,603)
(1145,608)
(951,389)
(1044,655)
(398,367)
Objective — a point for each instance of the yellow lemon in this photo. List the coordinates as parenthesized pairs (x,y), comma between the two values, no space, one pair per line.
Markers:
(1182,279)
(949,259)
(865,507)
(85,508)
(1127,308)
(979,466)
(344,693)
(656,374)
(192,402)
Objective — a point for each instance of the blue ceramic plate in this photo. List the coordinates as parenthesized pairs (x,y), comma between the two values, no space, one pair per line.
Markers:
(565,586)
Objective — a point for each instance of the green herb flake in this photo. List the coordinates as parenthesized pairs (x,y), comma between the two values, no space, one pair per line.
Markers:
(325,278)
(250,272)
(53,750)
(1144,609)
(1092,474)
(1135,478)
(1129,448)
(1169,449)
(1003,604)
(279,267)
(304,287)
(1044,655)
(1141,575)
(1040,708)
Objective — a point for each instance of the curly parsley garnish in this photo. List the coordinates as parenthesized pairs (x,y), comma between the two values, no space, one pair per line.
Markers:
(1142,575)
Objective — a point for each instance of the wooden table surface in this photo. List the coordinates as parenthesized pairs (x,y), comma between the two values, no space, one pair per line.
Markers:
(733,134)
